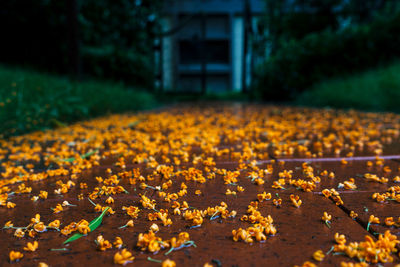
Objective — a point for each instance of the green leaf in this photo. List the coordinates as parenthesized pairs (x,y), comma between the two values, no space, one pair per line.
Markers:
(88,154)
(92,225)
(133,124)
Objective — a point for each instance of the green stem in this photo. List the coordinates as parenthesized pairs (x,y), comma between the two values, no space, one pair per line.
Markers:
(369,223)
(59,249)
(94,204)
(212,217)
(327,224)
(154,260)
(332,248)
(184,245)
(169,251)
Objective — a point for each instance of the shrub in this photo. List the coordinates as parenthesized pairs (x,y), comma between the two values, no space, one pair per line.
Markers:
(299,64)
(35,101)
(377,90)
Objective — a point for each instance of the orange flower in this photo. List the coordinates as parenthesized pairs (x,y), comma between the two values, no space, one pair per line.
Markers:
(168,263)
(11,205)
(55,224)
(43,194)
(15,255)
(318,255)
(31,246)
(123,257)
(264,196)
(58,208)
(373,219)
(83,227)
(296,201)
(277,202)
(353,215)
(340,239)
(389,221)
(8,224)
(103,244)
(19,233)
(118,243)
(109,200)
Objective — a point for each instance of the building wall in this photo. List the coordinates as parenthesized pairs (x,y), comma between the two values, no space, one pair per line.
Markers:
(207,49)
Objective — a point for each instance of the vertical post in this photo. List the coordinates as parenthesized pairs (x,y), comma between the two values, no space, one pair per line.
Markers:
(161,63)
(73,38)
(203,54)
(246,18)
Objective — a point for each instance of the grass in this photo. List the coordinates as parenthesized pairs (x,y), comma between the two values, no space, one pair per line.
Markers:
(35,101)
(374,90)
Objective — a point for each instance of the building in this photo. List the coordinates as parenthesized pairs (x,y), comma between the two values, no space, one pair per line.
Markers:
(205,45)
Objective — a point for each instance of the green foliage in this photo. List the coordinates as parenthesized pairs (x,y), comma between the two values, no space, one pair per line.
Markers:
(299,64)
(92,225)
(116,37)
(34,101)
(377,90)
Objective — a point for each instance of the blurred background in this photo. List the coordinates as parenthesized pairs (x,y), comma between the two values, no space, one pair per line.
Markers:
(64,61)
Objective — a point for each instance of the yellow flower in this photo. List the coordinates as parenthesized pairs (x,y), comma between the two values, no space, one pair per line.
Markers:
(340,239)
(39,227)
(197,192)
(129,223)
(168,263)
(154,227)
(43,264)
(326,217)
(240,188)
(229,192)
(10,205)
(318,255)
(55,224)
(132,211)
(351,264)
(36,219)
(8,224)
(58,208)
(373,219)
(83,227)
(32,233)
(15,255)
(264,196)
(109,200)
(389,221)
(277,202)
(19,233)
(31,246)
(123,257)
(353,215)
(103,244)
(295,200)
(43,194)
(118,243)
(307,264)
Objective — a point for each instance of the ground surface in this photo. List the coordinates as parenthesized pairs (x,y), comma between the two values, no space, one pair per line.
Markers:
(178,167)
